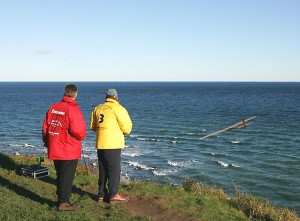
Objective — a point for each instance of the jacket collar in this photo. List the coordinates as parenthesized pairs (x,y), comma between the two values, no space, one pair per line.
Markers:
(69,100)
(110,100)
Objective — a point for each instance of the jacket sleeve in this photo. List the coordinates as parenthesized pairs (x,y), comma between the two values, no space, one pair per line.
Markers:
(77,127)
(45,130)
(93,122)
(124,120)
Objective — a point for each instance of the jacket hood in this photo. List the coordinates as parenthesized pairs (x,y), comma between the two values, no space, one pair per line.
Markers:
(69,100)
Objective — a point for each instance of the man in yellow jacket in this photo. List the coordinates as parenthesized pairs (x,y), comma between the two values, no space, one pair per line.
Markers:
(111,122)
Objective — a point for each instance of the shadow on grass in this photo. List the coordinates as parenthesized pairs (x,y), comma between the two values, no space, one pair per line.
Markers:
(25,192)
(83,192)
(7,163)
(75,189)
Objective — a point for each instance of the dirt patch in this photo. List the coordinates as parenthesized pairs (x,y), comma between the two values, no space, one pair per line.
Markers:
(150,206)
(139,206)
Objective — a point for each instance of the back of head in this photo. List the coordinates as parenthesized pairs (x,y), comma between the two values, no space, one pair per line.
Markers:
(112,93)
(71,90)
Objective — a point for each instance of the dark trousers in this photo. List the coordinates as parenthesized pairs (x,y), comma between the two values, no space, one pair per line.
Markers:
(109,172)
(65,171)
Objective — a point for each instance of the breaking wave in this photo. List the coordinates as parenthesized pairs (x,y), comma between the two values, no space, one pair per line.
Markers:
(163,172)
(181,163)
(140,166)
(223,164)
(135,154)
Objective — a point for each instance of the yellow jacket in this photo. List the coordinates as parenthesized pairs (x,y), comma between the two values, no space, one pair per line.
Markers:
(111,122)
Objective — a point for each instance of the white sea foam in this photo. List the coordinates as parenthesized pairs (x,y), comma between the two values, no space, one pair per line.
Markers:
(163,172)
(235,141)
(132,146)
(89,150)
(15,145)
(190,133)
(28,145)
(134,154)
(125,176)
(86,156)
(140,138)
(90,156)
(175,141)
(139,165)
(154,139)
(159,173)
(148,139)
(22,145)
(236,166)
(218,154)
(181,163)
(223,164)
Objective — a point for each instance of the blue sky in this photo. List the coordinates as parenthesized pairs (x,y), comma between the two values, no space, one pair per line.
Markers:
(153,40)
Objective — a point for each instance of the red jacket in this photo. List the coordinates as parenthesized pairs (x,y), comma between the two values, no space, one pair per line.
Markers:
(63,130)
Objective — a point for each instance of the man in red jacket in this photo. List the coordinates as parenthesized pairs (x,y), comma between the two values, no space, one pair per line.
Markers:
(63,130)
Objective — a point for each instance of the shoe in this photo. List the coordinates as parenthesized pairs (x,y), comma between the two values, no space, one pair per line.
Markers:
(100,199)
(119,199)
(66,207)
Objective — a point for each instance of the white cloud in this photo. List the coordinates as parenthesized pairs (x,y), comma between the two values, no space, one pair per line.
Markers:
(43,52)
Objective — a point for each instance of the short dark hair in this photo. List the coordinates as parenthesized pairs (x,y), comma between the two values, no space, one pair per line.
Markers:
(71,90)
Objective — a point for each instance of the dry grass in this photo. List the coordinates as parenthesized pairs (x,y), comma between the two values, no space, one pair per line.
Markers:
(254,208)
(204,190)
(258,209)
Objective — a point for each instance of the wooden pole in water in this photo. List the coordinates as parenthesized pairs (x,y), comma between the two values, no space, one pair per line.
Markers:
(243,123)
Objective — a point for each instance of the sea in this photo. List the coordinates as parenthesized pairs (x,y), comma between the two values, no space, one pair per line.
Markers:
(170,120)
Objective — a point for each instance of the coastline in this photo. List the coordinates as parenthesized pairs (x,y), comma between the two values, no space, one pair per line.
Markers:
(86,165)
(145,194)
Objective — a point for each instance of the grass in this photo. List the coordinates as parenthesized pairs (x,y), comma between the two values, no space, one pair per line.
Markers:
(255,209)
(24,198)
